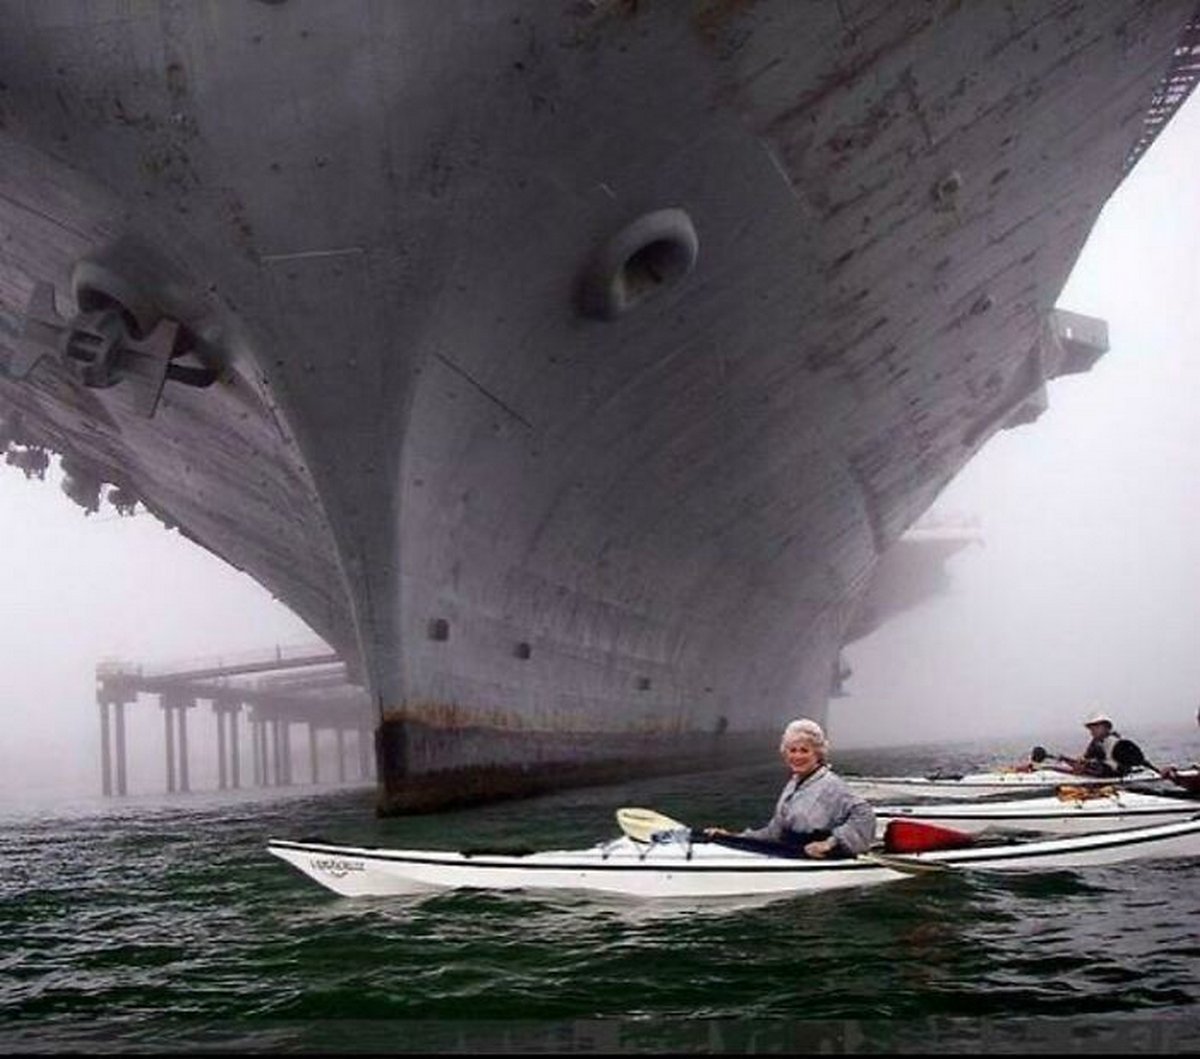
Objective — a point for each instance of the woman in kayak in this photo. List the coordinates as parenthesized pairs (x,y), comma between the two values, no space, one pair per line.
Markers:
(816,813)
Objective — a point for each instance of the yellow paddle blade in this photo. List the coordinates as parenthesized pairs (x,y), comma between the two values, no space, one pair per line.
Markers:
(643,824)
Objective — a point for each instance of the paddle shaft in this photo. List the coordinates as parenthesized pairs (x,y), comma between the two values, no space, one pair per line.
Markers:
(643,825)
(1039,754)
(909,865)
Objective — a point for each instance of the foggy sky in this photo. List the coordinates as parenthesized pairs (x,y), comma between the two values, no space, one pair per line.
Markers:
(1085,592)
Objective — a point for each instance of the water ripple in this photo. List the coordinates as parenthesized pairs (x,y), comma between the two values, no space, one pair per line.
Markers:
(170,926)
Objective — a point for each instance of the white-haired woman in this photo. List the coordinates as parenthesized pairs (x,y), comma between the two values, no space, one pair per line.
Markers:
(817,812)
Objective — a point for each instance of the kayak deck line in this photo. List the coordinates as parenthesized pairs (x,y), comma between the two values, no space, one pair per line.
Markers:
(753,862)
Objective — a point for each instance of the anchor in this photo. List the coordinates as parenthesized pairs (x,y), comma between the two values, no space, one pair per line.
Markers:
(99,349)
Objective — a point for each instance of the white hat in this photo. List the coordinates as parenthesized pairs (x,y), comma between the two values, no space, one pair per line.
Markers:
(1098,718)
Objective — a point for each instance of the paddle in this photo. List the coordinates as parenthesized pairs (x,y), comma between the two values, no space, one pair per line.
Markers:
(1039,754)
(646,825)
(1126,753)
(907,864)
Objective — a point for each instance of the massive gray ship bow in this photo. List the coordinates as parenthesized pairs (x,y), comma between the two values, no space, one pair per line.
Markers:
(567,367)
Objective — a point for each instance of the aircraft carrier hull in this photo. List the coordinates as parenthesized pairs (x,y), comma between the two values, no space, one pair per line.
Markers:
(568,368)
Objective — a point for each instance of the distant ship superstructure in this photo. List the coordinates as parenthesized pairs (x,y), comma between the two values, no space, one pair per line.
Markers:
(567,368)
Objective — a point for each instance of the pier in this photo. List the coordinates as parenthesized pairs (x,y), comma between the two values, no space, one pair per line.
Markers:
(271,691)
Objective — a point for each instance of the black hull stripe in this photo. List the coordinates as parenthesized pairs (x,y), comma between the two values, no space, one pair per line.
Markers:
(1181,813)
(1067,780)
(1116,839)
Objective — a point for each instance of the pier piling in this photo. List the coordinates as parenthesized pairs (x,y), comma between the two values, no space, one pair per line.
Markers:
(320,696)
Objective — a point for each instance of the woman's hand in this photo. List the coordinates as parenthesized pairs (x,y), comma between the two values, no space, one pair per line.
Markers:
(821,848)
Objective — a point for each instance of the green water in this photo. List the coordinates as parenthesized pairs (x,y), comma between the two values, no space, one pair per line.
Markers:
(164,925)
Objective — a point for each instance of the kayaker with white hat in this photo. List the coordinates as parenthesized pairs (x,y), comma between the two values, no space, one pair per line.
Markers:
(1097,758)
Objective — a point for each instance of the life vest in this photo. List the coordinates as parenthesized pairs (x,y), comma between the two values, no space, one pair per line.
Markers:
(1098,758)
(1127,756)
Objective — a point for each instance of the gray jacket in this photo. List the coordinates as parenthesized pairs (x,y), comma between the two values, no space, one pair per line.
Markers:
(821,802)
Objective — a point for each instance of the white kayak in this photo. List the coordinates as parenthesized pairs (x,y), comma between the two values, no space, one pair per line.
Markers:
(673,866)
(621,866)
(1070,811)
(984,784)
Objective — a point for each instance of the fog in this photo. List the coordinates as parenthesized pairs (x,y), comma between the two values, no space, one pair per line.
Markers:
(1085,592)
(79,590)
